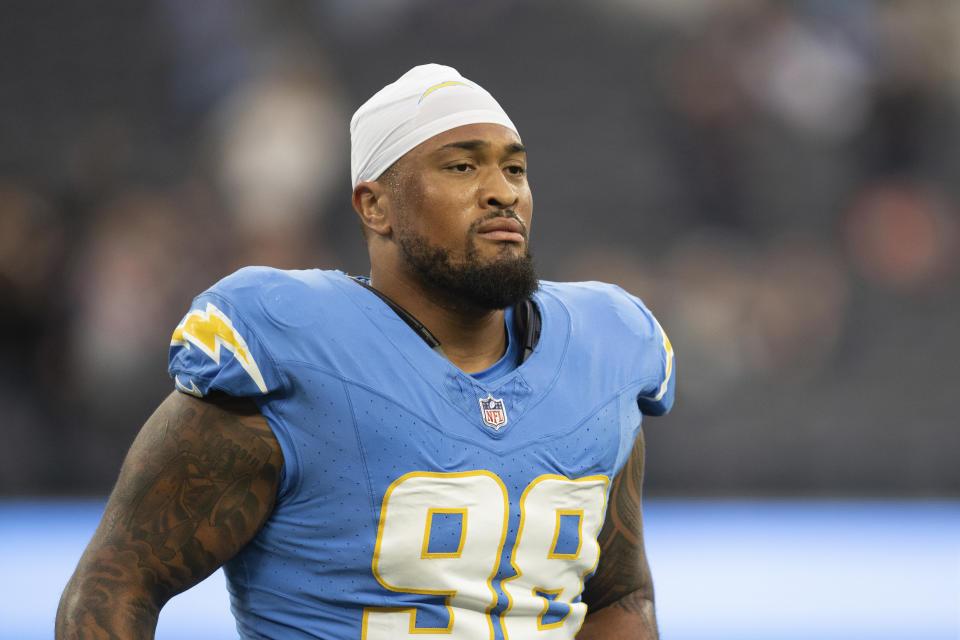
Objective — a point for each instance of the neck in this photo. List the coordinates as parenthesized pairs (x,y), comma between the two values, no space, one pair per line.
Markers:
(472,339)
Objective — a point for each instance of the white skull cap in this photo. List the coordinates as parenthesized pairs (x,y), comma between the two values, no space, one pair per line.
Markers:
(426,100)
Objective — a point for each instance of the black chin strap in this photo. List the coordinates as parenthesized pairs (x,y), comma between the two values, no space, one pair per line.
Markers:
(526,322)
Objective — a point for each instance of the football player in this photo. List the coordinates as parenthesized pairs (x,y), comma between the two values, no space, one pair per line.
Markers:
(448,448)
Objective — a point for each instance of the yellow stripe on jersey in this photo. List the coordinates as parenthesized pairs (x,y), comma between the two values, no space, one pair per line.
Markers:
(209,330)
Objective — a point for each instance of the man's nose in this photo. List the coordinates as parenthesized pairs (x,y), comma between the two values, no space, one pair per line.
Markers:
(496,191)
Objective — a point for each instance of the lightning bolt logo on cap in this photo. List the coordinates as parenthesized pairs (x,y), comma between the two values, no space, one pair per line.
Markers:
(209,330)
(449,83)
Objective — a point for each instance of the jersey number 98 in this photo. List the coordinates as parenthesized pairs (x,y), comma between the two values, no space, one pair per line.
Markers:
(444,534)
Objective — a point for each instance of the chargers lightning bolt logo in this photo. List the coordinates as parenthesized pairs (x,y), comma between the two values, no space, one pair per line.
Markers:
(209,330)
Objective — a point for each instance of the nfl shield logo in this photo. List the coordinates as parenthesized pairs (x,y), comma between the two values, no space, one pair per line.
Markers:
(493,412)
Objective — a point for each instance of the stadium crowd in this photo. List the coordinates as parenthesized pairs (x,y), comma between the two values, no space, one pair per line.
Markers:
(778,181)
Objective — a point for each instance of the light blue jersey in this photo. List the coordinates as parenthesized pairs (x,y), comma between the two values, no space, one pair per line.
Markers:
(416,500)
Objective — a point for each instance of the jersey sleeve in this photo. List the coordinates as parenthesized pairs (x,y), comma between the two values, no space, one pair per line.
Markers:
(216,346)
(659,399)
(656,397)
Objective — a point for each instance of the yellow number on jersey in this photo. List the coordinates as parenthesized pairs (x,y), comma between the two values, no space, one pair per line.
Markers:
(542,568)
(403,561)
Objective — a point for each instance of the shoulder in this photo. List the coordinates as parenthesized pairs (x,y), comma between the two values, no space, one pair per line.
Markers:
(603,307)
(288,298)
(611,326)
(235,333)
(261,284)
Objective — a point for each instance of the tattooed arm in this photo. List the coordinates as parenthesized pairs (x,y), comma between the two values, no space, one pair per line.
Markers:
(196,486)
(619,596)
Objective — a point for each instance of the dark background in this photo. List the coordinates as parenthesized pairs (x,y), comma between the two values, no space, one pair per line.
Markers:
(777,180)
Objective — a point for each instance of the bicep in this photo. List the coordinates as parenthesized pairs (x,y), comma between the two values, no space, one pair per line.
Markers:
(195,487)
(623,567)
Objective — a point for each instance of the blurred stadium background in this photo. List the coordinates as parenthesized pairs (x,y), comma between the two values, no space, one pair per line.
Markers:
(779,180)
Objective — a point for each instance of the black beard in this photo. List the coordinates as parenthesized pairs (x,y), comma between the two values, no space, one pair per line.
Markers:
(470,284)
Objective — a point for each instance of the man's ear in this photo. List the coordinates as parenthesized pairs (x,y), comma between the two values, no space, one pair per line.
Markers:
(371,201)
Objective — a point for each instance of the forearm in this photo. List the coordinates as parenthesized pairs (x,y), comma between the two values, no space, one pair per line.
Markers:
(632,617)
(98,603)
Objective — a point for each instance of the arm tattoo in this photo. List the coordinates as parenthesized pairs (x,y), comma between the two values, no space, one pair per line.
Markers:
(197,484)
(623,577)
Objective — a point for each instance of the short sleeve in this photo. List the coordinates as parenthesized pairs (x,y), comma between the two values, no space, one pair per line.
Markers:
(652,355)
(215,348)
(659,399)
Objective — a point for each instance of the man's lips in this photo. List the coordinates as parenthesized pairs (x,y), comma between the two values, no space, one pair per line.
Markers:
(502,230)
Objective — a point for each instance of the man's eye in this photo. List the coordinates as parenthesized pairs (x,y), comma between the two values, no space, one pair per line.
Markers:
(516,170)
(462,167)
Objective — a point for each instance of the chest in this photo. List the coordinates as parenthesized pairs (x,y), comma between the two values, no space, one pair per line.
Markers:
(353,431)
